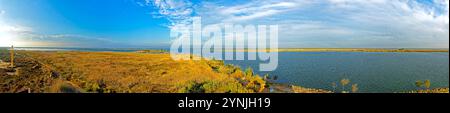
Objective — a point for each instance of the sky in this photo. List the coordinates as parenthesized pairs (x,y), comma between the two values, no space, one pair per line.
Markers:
(302,23)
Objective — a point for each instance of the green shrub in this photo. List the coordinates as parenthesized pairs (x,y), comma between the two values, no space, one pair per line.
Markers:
(427,84)
(214,87)
(249,71)
(419,84)
(194,87)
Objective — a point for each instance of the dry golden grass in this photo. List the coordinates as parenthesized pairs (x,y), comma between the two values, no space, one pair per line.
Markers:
(138,72)
(152,51)
(28,76)
(298,89)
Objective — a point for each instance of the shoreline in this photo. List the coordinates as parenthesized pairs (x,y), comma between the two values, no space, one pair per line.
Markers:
(55,80)
(121,72)
(276,87)
(166,50)
(344,50)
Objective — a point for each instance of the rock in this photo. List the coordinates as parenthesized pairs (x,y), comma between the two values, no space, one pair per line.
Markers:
(36,66)
(54,74)
(24,90)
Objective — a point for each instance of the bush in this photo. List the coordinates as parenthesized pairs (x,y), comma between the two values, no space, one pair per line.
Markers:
(249,71)
(214,87)
(194,87)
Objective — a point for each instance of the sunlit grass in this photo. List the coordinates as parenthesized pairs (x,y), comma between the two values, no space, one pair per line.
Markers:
(108,72)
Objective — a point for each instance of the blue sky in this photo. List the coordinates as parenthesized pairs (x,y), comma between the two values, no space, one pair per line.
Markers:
(303,23)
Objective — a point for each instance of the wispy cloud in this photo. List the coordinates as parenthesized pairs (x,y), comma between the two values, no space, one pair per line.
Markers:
(8,32)
(328,23)
(25,36)
(21,35)
(402,23)
(251,11)
(176,11)
(65,40)
(14,28)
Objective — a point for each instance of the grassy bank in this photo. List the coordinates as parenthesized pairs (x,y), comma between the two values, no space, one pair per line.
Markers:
(134,72)
(109,72)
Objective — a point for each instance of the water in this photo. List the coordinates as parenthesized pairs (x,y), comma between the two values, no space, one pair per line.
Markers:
(373,72)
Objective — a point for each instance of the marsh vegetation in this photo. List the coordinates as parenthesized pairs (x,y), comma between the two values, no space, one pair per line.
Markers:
(115,72)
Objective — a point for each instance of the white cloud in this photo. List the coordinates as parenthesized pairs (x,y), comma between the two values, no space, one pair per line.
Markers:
(18,35)
(176,11)
(401,16)
(2,12)
(334,23)
(14,29)
(9,33)
(252,11)
(64,40)
(181,11)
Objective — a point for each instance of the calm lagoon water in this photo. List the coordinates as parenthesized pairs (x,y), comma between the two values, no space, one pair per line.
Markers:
(373,72)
